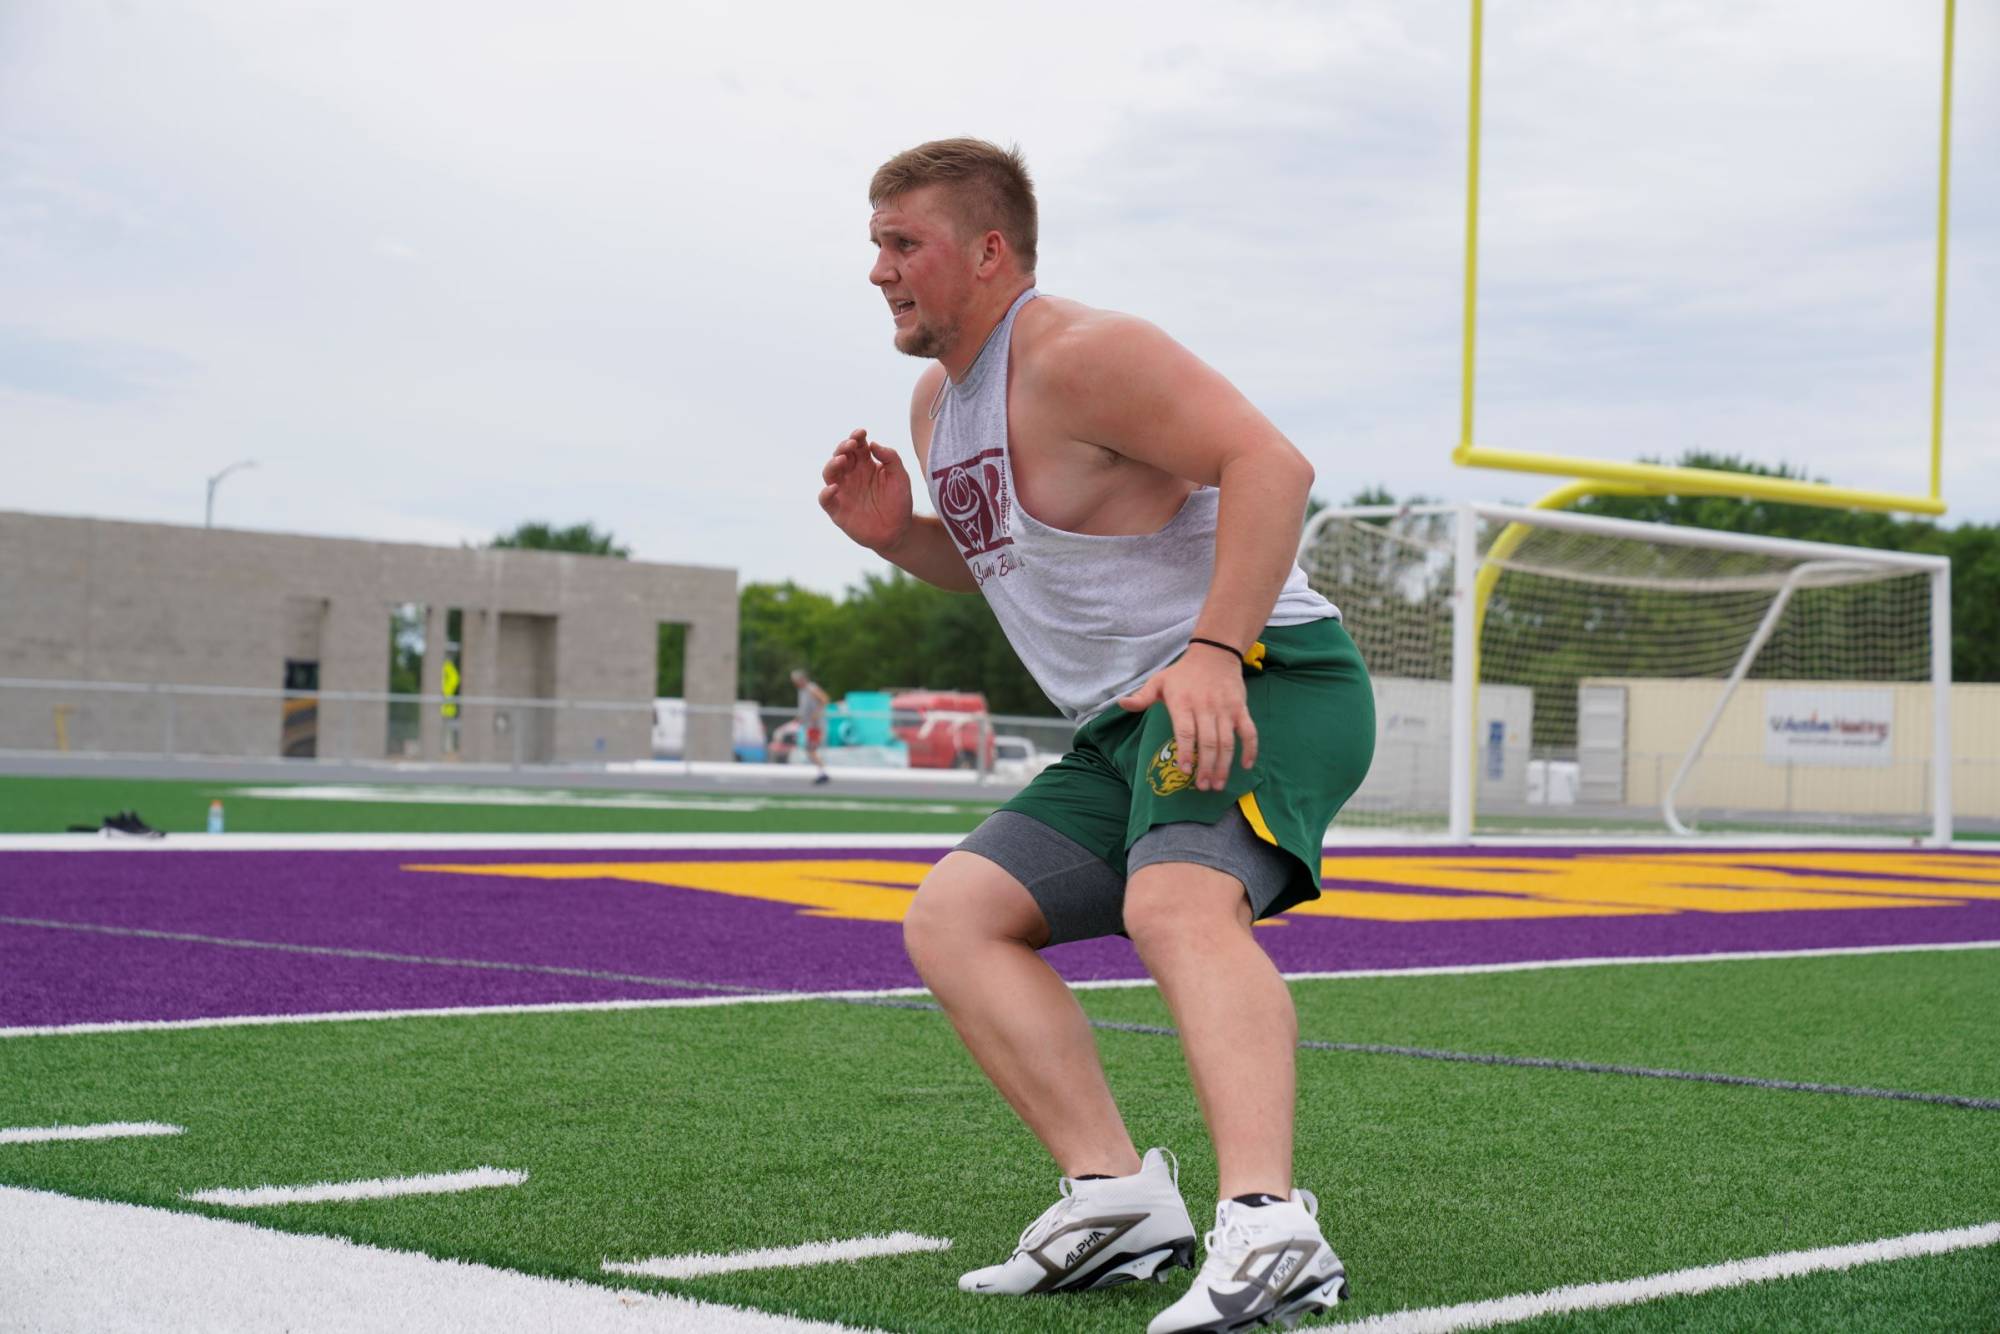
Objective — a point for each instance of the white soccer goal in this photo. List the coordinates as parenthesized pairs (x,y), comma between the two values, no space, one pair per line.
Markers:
(1545,673)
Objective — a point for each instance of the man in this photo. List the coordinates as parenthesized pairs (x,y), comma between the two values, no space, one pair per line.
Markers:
(812,718)
(1131,520)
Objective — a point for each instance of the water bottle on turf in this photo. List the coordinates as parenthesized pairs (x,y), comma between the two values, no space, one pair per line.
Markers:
(215,816)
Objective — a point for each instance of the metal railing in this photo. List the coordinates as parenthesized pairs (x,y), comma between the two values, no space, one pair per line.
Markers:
(156,720)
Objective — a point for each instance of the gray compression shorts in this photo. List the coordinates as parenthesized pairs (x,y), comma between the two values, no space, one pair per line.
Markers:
(1082,898)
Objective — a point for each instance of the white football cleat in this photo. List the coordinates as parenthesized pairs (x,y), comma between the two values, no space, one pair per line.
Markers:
(1266,1265)
(1100,1233)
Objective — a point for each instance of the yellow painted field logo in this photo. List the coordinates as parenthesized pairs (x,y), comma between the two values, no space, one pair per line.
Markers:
(1387,887)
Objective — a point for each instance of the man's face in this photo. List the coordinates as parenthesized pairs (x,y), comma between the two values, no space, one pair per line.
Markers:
(924,268)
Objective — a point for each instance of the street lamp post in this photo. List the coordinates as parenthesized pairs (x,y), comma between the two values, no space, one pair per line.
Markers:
(208,515)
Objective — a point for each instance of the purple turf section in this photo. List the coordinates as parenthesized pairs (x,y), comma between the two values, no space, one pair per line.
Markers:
(366,900)
(51,977)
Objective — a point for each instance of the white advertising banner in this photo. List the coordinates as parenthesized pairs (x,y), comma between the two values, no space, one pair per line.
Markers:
(1844,727)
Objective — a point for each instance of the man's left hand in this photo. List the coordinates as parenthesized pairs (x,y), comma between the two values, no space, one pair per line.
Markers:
(1210,711)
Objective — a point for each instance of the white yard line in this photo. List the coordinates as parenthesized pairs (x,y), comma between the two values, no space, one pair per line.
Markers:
(1337,843)
(1679,1283)
(340,1192)
(102,1130)
(699,1264)
(1613,961)
(473,842)
(448,1012)
(613,799)
(74,1266)
(897,993)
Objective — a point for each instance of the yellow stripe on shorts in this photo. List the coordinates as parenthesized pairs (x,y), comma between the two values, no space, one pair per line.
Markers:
(1248,804)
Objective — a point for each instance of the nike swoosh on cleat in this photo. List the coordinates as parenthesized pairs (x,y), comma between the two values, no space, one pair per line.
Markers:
(1236,1305)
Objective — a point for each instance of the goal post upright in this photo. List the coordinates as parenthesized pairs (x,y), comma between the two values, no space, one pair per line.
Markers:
(1941,706)
(1464,670)
(1943,249)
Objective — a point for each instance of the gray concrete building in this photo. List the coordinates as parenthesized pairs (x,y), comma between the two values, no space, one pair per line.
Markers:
(555,655)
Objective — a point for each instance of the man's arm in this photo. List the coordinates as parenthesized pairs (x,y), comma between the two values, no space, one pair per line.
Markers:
(928,552)
(1122,384)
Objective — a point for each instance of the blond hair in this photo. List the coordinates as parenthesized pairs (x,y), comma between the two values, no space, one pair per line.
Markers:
(987,186)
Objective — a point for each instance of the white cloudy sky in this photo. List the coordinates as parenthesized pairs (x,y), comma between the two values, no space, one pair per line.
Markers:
(441,267)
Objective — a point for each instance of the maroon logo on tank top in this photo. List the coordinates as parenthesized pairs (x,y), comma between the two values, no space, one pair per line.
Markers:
(972,498)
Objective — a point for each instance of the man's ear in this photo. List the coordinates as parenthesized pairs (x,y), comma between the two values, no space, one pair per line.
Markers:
(992,250)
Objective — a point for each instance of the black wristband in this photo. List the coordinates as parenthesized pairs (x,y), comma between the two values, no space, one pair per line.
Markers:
(1213,643)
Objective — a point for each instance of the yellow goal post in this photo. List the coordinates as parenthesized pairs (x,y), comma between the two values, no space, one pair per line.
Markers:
(1667,478)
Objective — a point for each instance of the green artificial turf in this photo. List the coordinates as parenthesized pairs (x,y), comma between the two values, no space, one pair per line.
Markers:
(36,805)
(50,805)
(717,1129)
(1922,1020)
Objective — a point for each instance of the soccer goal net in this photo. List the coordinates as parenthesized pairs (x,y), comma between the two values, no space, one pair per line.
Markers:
(1540,672)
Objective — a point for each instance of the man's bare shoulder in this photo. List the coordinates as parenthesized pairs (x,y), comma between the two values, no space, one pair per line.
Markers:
(1065,346)
(927,387)
(1051,326)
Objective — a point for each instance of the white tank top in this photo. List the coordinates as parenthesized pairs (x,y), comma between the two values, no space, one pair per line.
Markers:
(1091,617)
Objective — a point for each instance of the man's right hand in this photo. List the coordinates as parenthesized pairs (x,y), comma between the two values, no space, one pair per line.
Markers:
(867,493)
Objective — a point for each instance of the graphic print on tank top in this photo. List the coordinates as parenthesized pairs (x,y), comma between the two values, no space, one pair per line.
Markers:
(972,498)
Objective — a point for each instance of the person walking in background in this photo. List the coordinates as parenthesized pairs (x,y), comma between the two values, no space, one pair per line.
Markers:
(812,718)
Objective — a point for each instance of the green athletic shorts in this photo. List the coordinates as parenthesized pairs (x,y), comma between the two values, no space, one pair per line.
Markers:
(1315,713)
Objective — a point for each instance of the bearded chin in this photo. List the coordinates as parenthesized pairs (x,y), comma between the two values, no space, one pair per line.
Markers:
(926,341)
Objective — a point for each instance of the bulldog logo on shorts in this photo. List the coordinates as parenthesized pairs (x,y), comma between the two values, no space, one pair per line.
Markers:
(1165,776)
